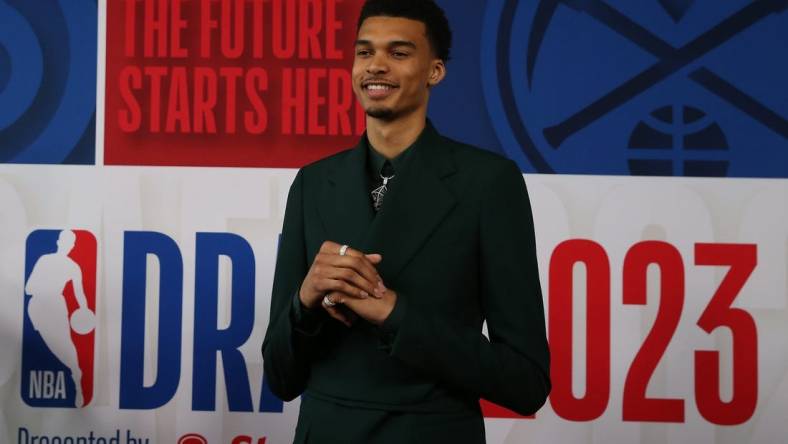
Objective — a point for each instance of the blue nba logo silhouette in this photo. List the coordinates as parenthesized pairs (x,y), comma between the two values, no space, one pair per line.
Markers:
(59,318)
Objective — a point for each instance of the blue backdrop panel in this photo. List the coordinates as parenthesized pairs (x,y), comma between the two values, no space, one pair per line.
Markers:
(681,87)
(48,81)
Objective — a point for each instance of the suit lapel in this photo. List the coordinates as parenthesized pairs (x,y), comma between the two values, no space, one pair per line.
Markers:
(345,207)
(414,207)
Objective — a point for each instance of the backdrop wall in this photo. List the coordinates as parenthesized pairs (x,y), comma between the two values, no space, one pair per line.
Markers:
(165,134)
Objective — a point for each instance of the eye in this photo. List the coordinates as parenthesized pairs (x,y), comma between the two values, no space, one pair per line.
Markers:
(399,54)
(363,52)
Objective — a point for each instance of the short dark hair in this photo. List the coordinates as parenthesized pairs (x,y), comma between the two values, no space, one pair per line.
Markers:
(425,11)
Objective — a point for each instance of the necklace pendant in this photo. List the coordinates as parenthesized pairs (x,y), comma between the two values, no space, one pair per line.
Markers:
(377,196)
(379,192)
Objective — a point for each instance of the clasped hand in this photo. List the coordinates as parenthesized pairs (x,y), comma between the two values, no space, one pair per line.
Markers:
(351,282)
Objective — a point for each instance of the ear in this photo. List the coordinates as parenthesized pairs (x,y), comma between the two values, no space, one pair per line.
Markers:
(437,72)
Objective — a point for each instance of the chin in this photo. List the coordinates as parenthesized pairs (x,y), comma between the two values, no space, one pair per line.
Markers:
(381,113)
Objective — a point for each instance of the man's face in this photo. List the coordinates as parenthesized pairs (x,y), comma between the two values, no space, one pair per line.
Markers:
(394,67)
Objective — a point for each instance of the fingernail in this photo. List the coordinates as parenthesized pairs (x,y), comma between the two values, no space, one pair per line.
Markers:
(382,287)
(364,294)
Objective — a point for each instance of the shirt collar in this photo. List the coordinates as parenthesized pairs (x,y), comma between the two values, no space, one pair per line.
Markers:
(375,160)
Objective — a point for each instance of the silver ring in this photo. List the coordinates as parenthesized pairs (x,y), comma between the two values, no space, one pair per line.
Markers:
(343,250)
(328,302)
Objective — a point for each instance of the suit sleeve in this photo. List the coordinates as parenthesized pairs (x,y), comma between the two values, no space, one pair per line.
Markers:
(293,331)
(512,367)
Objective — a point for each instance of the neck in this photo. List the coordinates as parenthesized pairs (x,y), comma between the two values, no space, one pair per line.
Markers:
(390,138)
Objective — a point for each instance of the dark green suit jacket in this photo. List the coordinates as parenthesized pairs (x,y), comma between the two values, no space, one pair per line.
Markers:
(457,239)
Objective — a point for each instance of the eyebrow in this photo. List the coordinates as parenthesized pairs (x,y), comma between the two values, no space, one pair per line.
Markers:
(393,43)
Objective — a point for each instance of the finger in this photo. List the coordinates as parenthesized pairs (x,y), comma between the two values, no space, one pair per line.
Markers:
(342,305)
(361,287)
(362,266)
(347,290)
(325,262)
(329,247)
(336,311)
(331,300)
(362,263)
(374,258)
(368,261)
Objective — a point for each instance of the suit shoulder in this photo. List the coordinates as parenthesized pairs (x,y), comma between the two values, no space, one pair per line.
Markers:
(480,160)
(321,166)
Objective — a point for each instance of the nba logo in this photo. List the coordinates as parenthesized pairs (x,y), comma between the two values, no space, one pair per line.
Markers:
(59,318)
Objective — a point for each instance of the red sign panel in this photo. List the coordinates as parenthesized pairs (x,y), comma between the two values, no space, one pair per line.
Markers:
(229,82)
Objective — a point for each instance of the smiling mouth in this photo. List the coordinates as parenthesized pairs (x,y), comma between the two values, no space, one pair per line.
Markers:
(378,90)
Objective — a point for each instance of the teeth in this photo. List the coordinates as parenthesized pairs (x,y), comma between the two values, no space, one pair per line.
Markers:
(378,87)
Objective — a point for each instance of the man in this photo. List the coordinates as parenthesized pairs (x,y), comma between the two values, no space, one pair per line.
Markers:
(392,256)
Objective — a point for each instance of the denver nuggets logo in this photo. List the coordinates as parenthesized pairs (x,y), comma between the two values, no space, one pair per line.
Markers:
(658,87)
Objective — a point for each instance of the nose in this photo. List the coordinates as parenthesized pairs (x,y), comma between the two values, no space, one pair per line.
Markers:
(377,63)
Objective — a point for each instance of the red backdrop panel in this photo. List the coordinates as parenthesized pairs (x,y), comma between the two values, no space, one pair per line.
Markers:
(253,83)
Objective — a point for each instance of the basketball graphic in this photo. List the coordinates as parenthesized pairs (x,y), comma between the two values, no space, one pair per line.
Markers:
(678,141)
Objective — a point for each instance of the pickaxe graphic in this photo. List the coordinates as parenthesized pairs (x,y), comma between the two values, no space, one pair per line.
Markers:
(671,60)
